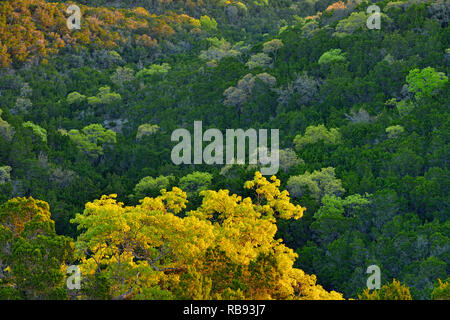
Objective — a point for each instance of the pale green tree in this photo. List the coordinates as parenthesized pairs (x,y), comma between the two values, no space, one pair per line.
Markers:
(357,20)
(289,159)
(271,47)
(104,96)
(5,174)
(33,258)
(237,96)
(122,75)
(154,69)
(219,49)
(195,182)
(6,130)
(389,291)
(40,132)
(208,24)
(303,89)
(394,131)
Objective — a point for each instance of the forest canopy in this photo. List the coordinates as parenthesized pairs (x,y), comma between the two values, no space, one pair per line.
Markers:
(87,180)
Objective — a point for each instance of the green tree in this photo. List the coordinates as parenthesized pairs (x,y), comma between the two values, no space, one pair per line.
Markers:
(336,215)
(5,174)
(441,291)
(390,291)
(271,47)
(195,182)
(219,49)
(260,60)
(151,187)
(92,139)
(314,134)
(332,56)
(6,130)
(122,75)
(37,130)
(288,159)
(75,98)
(32,256)
(208,24)
(146,129)
(154,69)
(357,20)
(394,131)
(317,183)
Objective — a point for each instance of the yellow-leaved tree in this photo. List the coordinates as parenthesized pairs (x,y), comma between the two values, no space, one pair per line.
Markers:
(225,249)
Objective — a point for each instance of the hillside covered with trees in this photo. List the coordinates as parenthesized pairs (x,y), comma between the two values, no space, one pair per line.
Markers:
(86,176)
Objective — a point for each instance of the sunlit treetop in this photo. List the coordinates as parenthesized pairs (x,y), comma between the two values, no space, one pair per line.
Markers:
(35,29)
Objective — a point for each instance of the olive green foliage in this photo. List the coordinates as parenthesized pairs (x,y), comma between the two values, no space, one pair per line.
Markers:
(288,159)
(404,107)
(5,174)
(145,130)
(208,24)
(195,182)
(425,82)
(104,96)
(151,187)
(75,98)
(122,75)
(362,119)
(261,60)
(6,130)
(92,139)
(152,70)
(357,20)
(394,131)
(332,56)
(318,184)
(272,46)
(219,49)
